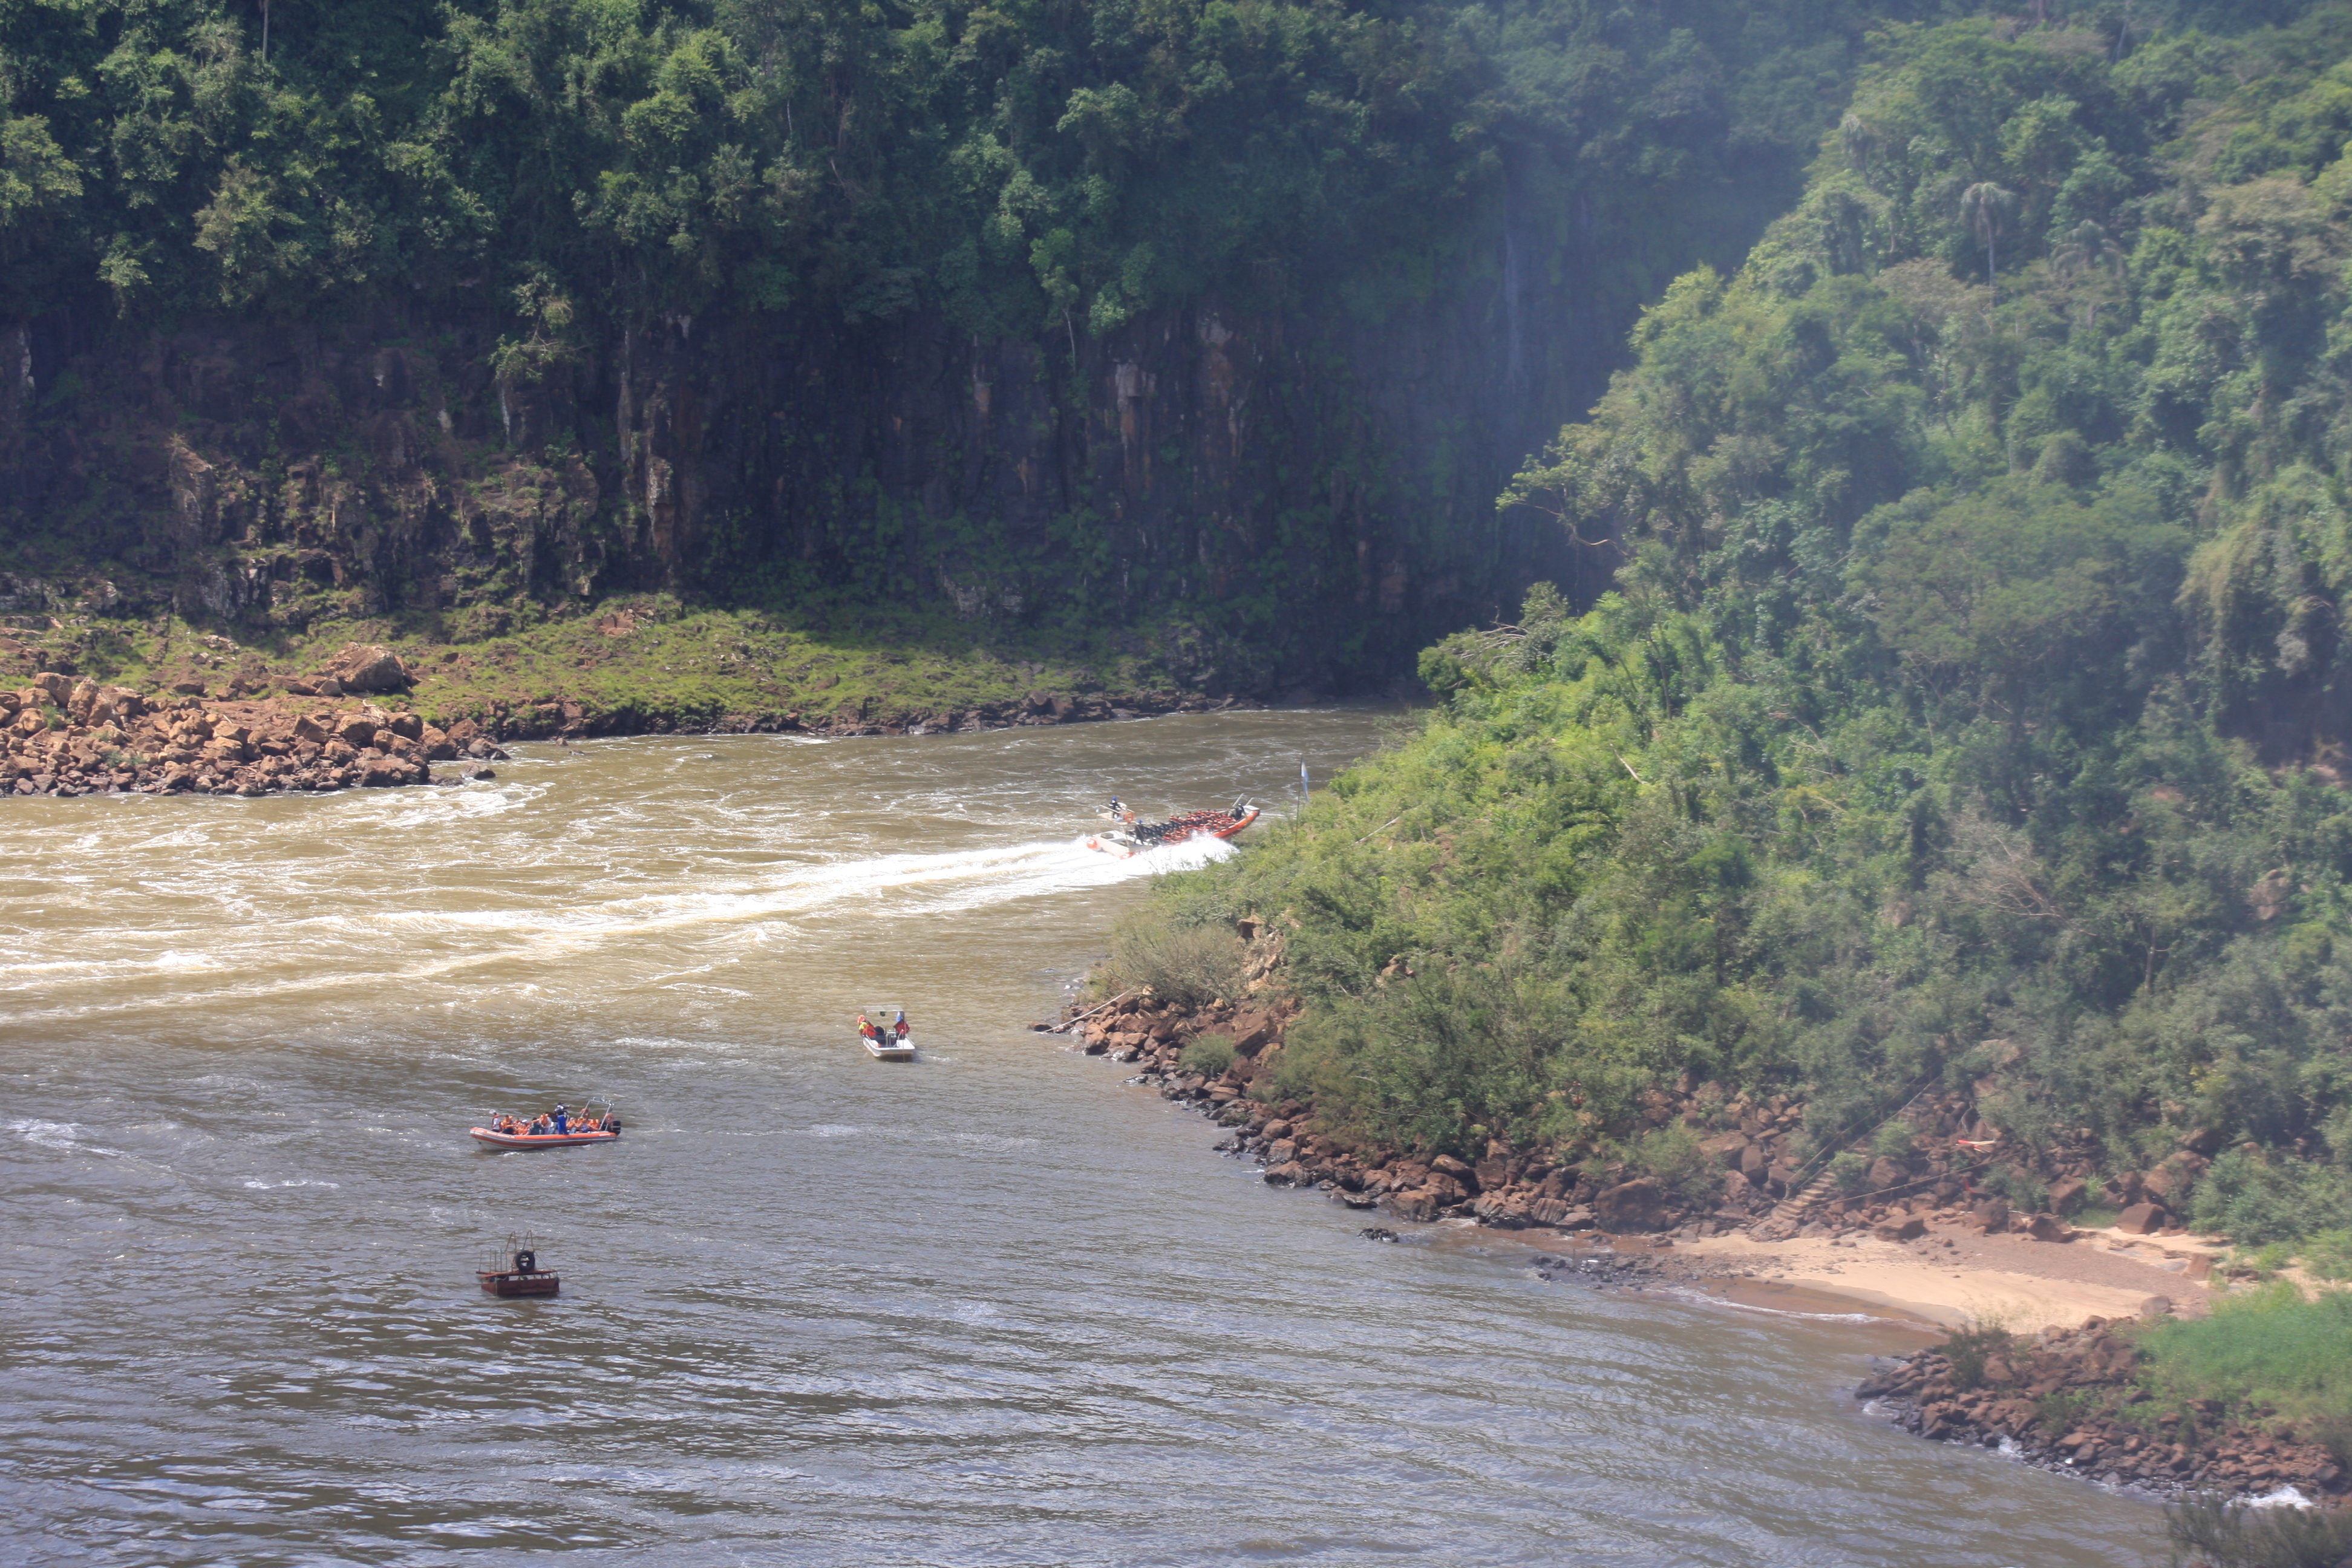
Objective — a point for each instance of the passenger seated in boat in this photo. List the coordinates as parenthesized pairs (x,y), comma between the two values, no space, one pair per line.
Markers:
(865,1029)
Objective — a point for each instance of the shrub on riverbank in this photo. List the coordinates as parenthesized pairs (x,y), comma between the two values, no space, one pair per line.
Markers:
(2213,1533)
(1184,963)
(1209,1055)
(2272,1351)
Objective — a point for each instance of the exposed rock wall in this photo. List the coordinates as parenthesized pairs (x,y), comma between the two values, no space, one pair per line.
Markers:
(1316,487)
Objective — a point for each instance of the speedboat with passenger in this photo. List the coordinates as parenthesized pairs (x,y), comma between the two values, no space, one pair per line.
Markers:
(594,1124)
(884,1042)
(1128,837)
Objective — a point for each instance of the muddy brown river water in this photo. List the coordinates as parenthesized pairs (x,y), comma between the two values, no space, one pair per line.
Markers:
(994,1307)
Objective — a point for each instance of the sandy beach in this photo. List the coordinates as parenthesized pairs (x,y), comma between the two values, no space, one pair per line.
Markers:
(1955,1275)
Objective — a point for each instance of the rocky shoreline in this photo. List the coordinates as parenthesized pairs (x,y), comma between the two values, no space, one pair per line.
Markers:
(354,726)
(2067,1400)
(67,738)
(1750,1180)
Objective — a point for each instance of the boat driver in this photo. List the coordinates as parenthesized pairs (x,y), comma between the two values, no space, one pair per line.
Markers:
(901,1027)
(558,1118)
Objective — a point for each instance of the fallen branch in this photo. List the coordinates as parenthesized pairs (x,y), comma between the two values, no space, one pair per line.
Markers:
(1064,1028)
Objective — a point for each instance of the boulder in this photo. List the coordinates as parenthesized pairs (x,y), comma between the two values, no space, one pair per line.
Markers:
(119,704)
(1634,1206)
(2142,1219)
(2205,1141)
(1252,1034)
(55,688)
(1289,1173)
(2066,1194)
(1416,1204)
(2047,1228)
(1502,1211)
(1724,1148)
(368,666)
(1885,1173)
(1990,1215)
(1454,1168)
(1910,1228)
(1492,1172)
(1447,1189)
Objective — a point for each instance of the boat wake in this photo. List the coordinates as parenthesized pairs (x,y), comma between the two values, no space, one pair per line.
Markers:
(417,949)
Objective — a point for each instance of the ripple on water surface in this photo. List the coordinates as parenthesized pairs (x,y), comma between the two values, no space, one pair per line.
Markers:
(989,1307)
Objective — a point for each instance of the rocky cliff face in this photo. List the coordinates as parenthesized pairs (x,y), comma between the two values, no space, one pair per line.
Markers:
(1314,488)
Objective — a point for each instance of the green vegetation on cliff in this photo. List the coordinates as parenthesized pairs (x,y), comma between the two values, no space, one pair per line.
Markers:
(1023,165)
(1971,700)
(641,662)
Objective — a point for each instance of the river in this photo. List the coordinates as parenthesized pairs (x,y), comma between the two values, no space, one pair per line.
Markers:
(994,1307)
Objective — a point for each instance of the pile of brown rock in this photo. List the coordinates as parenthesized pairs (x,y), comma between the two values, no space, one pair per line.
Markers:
(1756,1175)
(2070,1400)
(71,737)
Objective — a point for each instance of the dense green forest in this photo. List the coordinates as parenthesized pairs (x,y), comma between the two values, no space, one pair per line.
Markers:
(1068,163)
(1970,704)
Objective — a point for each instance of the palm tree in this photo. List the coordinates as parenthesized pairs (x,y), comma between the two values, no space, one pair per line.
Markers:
(1984,206)
(2088,249)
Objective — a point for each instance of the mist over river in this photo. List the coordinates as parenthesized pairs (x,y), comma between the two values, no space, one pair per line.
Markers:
(994,1307)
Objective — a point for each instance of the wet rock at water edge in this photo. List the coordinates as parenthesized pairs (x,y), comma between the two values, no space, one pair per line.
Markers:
(1634,1206)
(1379,1233)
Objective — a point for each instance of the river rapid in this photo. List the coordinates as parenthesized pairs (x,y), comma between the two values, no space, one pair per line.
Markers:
(994,1307)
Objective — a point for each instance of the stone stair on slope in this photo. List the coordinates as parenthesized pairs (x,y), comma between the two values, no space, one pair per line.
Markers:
(1790,1211)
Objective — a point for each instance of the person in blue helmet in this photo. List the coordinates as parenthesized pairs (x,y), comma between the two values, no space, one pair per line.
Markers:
(900,1027)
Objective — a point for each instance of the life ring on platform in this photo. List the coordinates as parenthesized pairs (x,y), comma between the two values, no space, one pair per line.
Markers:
(526,1261)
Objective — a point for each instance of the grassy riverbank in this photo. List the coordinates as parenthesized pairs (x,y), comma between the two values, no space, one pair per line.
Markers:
(646,662)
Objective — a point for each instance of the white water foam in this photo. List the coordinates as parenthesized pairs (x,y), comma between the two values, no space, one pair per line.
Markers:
(547,937)
(1779,1311)
(48,1134)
